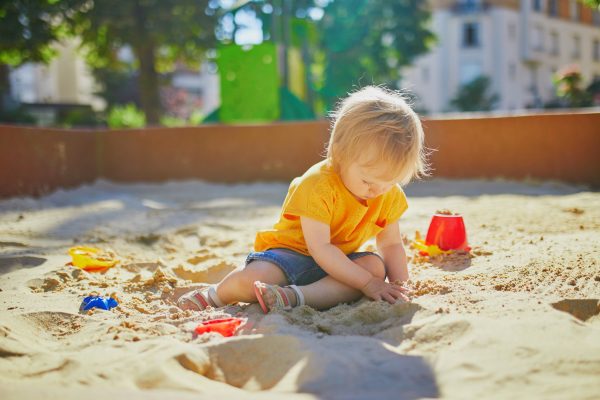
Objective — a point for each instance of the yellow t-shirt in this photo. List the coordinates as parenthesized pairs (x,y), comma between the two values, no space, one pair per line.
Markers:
(320,194)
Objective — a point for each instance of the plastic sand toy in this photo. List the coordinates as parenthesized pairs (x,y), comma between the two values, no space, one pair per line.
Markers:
(92,259)
(447,232)
(431,250)
(104,303)
(445,235)
(225,326)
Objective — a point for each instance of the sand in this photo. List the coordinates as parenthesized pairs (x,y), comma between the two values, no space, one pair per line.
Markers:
(517,318)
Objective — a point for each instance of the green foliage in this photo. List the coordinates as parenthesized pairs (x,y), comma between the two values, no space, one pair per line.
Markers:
(81,117)
(594,87)
(271,13)
(172,122)
(473,96)
(28,28)
(592,3)
(178,30)
(368,41)
(16,116)
(159,32)
(127,116)
(568,83)
(357,42)
(196,118)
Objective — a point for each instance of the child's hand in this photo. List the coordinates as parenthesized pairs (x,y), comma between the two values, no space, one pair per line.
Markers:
(403,287)
(377,289)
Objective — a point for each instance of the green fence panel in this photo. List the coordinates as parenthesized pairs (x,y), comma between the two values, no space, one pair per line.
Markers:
(249,83)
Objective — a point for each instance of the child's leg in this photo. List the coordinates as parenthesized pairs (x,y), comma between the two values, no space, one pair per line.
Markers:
(238,285)
(328,292)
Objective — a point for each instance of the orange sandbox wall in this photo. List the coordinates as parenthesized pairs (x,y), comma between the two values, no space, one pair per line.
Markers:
(35,161)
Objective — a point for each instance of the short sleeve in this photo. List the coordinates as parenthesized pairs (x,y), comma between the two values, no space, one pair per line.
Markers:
(311,197)
(397,204)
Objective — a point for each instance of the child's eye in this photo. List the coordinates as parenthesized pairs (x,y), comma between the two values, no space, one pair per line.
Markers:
(366,183)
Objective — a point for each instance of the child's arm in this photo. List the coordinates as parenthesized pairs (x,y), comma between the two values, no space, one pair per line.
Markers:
(391,248)
(335,263)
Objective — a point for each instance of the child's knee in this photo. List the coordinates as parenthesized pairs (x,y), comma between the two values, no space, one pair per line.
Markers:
(373,264)
(263,271)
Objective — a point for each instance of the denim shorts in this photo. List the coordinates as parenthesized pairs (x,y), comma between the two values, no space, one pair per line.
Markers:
(299,269)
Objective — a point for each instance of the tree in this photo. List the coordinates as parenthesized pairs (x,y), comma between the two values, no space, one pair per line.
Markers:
(473,96)
(568,83)
(159,32)
(594,91)
(592,3)
(356,42)
(28,28)
(368,41)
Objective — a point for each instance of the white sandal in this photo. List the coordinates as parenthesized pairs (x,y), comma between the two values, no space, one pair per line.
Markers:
(282,301)
(201,298)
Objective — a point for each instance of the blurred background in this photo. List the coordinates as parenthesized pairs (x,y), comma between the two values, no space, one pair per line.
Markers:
(135,63)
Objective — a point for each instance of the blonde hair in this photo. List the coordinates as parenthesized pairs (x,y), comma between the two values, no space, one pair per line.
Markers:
(377,120)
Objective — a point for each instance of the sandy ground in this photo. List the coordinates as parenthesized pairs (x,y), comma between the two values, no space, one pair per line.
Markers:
(518,318)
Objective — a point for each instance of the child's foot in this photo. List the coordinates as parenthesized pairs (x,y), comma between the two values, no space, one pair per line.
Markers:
(276,297)
(200,299)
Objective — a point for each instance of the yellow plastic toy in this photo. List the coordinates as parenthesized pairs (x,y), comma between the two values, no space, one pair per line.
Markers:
(431,250)
(92,259)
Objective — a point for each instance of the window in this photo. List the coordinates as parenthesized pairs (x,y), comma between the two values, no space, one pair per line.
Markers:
(537,5)
(576,47)
(554,44)
(469,5)
(470,37)
(553,8)
(596,50)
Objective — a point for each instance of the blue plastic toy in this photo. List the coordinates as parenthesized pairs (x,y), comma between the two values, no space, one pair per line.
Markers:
(104,303)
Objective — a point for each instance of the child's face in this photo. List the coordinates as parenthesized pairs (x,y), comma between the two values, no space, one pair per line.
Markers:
(365,182)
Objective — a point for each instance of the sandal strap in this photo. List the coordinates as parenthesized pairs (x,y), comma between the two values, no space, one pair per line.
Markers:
(193,300)
(198,298)
(281,298)
(214,298)
(198,295)
(299,295)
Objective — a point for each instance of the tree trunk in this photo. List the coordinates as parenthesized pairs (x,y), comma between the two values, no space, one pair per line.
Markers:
(4,87)
(148,81)
(148,78)
(306,59)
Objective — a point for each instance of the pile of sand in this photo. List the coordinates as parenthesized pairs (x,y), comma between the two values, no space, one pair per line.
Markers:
(517,317)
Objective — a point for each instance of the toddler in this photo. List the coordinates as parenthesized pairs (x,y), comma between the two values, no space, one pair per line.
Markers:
(311,255)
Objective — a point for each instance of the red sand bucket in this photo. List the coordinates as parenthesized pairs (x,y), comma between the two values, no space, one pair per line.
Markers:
(225,326)
(447,232)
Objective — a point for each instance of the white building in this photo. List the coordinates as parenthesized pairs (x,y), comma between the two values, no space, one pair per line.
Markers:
(519,45)
(65,80)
